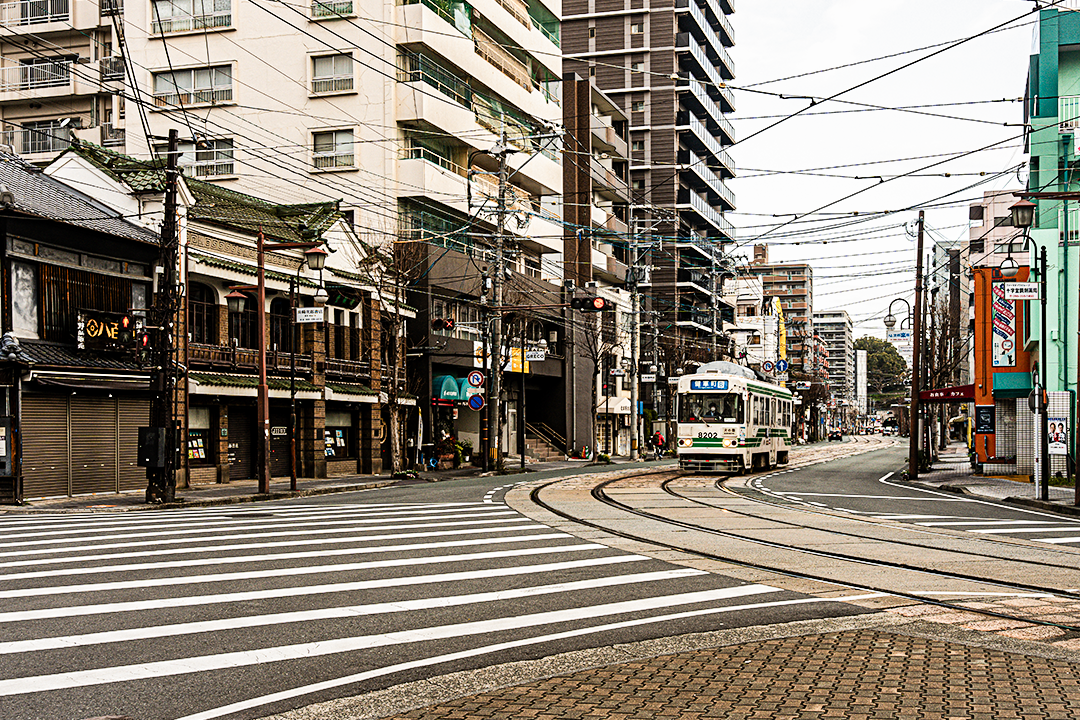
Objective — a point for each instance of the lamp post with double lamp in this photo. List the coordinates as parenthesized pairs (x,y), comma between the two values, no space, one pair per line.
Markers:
(1023,215)
(913,411)
(236,301)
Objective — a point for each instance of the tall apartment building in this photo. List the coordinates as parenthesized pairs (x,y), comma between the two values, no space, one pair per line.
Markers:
(834,327)
(793,284)
(666,64)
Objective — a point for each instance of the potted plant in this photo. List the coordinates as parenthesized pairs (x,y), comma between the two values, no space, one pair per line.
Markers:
(445,453)
(466,450)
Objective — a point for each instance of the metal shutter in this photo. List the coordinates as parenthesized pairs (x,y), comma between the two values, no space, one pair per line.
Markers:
(241,443)
(280,451)
(93,445)
(133,413)
(44,424)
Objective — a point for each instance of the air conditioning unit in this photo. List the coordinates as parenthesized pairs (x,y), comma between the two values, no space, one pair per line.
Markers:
(592,284)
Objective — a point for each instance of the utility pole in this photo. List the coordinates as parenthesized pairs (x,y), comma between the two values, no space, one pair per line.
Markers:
(916,376)
(496,322)
(635,361)
(161,476)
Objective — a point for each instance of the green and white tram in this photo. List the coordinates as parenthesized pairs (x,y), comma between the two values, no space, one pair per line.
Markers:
(729,420)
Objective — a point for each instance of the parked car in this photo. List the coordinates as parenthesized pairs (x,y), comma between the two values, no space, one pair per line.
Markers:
(835,435)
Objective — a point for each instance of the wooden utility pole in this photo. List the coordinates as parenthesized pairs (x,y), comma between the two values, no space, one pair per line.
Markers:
(914,431)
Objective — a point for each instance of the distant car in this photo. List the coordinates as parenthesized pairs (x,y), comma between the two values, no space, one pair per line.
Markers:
(835,435)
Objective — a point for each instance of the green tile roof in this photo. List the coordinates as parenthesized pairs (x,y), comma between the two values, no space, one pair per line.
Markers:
(249,381)
(351,389)
(246,269)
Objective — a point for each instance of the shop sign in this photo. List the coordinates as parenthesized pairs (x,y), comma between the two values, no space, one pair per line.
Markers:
(536,355)
(1003,322)
(1021,291)
(279,431)
(310,314)
(648,377)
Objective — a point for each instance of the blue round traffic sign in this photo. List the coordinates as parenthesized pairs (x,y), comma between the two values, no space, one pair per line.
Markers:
(475,378)
(781,365)
(476,402)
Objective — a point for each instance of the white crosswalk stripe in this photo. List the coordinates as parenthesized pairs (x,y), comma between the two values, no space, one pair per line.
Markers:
(97,606)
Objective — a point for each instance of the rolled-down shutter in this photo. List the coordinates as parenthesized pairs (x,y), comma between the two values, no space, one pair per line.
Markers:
(132,413)
(93,445)
(44,425)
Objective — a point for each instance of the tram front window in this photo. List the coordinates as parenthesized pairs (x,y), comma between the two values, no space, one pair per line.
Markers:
(711,407)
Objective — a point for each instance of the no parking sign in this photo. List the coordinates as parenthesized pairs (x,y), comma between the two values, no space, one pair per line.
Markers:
(476,402)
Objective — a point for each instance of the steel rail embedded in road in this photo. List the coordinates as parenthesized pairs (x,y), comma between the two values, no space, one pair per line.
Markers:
(599,494)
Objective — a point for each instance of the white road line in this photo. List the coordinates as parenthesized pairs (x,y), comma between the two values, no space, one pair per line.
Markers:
(861,497)
(258,524)
(80,545)
(264,526)
(192,628)
(485,650)
(1059,541)
(992,521)
(222,661)
(290,592)
(291,543)
(886,516)
(248,559)
(291,572)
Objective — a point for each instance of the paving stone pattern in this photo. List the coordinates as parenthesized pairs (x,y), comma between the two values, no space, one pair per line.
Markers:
(856,675)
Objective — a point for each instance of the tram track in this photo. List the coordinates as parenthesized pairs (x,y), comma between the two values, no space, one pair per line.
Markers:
(600,494)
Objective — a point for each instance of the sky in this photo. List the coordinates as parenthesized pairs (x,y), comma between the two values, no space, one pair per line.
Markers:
(803,180)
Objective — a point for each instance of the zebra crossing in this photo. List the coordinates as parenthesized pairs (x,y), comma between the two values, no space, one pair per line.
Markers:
(239,613)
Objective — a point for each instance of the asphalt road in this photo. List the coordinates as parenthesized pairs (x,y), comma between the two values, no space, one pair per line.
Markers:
(875,491)
(245,612)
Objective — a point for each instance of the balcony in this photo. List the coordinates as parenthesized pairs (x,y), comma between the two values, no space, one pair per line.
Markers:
(37,76)
(235,359)
(348,369)
(701,319)
(605,138)
(109,8)
(689,200)
(34,12)
(112,69)
(700,278)
(30,141)
(112,136)
(695,95)
(702,177)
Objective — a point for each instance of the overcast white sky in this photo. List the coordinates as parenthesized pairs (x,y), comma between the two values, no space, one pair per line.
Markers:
(778,40)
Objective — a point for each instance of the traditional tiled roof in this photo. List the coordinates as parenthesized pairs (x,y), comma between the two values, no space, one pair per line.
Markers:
(249,381)
(39,195)
(246,269)
(214,204)
(45,354)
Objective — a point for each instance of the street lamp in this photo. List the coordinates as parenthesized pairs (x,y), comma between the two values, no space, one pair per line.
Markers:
(1023,216)
(913,409)
(236,301)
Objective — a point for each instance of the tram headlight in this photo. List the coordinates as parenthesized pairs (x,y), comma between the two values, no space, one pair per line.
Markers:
(686,442)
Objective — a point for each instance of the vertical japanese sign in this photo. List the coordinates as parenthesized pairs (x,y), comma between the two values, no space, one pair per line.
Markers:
(1003,319)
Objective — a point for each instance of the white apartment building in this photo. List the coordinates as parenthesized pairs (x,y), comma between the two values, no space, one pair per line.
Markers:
(835,329)
(385,106)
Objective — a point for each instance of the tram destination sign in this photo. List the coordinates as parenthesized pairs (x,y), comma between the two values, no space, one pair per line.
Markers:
(708,384)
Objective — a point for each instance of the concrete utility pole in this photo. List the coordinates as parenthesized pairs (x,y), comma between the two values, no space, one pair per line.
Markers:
(635,361)
(914,432)
(161,477)
(496,322)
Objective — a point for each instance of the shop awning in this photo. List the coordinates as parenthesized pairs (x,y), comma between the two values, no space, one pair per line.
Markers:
(445,387)
(93,382)
(1011,385)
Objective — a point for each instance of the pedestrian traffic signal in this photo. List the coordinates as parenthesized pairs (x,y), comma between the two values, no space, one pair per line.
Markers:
(589,304)
(125,330)
(442,324)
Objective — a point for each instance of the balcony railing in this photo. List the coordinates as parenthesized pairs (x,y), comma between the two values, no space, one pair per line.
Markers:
(352,369)
(413,67)
(1069,111)
(501,58)
(223,357)
(33,12)
(33,77)
(112,136)
(193,97)
(112,68)
(332,84)
(111,7)
(333,159)
(194,22)
(327,9)
(27,141)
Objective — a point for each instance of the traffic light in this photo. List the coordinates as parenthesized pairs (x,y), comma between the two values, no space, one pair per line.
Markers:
(590,304)
(126,331)
(442,324)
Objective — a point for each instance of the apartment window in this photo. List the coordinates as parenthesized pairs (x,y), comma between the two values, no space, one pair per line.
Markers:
(637,28)
(637,145)
(638,183)
(333,149)
(172,16)
(206,158)
(592,32)
(194,86)
(592,71)
(332,73)
(637,67)
(330,9)
(638,106)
